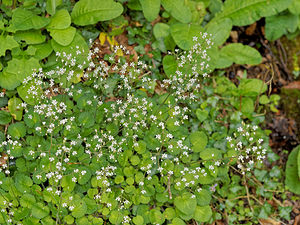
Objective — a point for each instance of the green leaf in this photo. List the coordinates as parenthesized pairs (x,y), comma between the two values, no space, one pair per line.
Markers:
(7,43)
(23,92)
(30,36)
(5,117)
(241,54)
(60,20)
(202,213)
(210,153)
(294,7)
(63,37)
(23,19)
(220,30)
(141,147)
(198,140)
(169,213)
(183,34)
(178,9)
(156,217)
(169,65)
(201,114)
(51,8)
(87,12)
(247,105)
(161,30)
(22,68)
(178,221)
(43,50)
(116,217)
(264,100)
(39,210)
(86,119)
(292,180)
(71,48)
(138,220)
(185,203)
(298,163)
(17,130)
(150,9)
(15,108)
(27,200)
(8,81)
(279,25)
(248,11)
(252,87)
(203,197)
(80,208)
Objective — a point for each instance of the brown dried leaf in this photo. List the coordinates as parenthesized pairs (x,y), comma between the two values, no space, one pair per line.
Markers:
(268,222)
(250,30)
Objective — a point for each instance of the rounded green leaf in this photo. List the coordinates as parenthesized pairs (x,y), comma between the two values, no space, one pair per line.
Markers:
(186,203)
(60,20)
(7,43)
(39,210)
(202,213)
(241,54)
(178,221)
(198,140)
(87,12)
(15,108)
(30,36)
(8,81)
(150,9)
(183,34)
(63,37)
(138,220)
(170,65)
(17,130)
(161,30)
(80,208)
(5,117)
(156,217)
(178,9)
(116,217)
(201,114)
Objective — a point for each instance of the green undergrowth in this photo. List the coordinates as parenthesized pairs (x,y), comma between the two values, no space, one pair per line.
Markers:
(133,136)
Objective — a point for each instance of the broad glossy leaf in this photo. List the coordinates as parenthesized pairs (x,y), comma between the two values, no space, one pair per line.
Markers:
(156,217)
(248,11)
(27,97)
(178,9)
(23,19)
(80,208)
(292,180)
(220,30)
(71,48)
(178,221)
(60,20)
(87,12)
(210,154)
(30,36)
(241,54)
(279,25)
(51,8)
(22,68)
(15,108)
(43,50)
(9,81)
(7,43)
(294,8)
(150,9)
(63,37)
(183,34)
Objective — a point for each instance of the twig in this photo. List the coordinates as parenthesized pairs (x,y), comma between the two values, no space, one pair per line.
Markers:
(169,186)
(247,191)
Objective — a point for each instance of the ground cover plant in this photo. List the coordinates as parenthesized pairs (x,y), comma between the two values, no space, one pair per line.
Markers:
(120,112)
